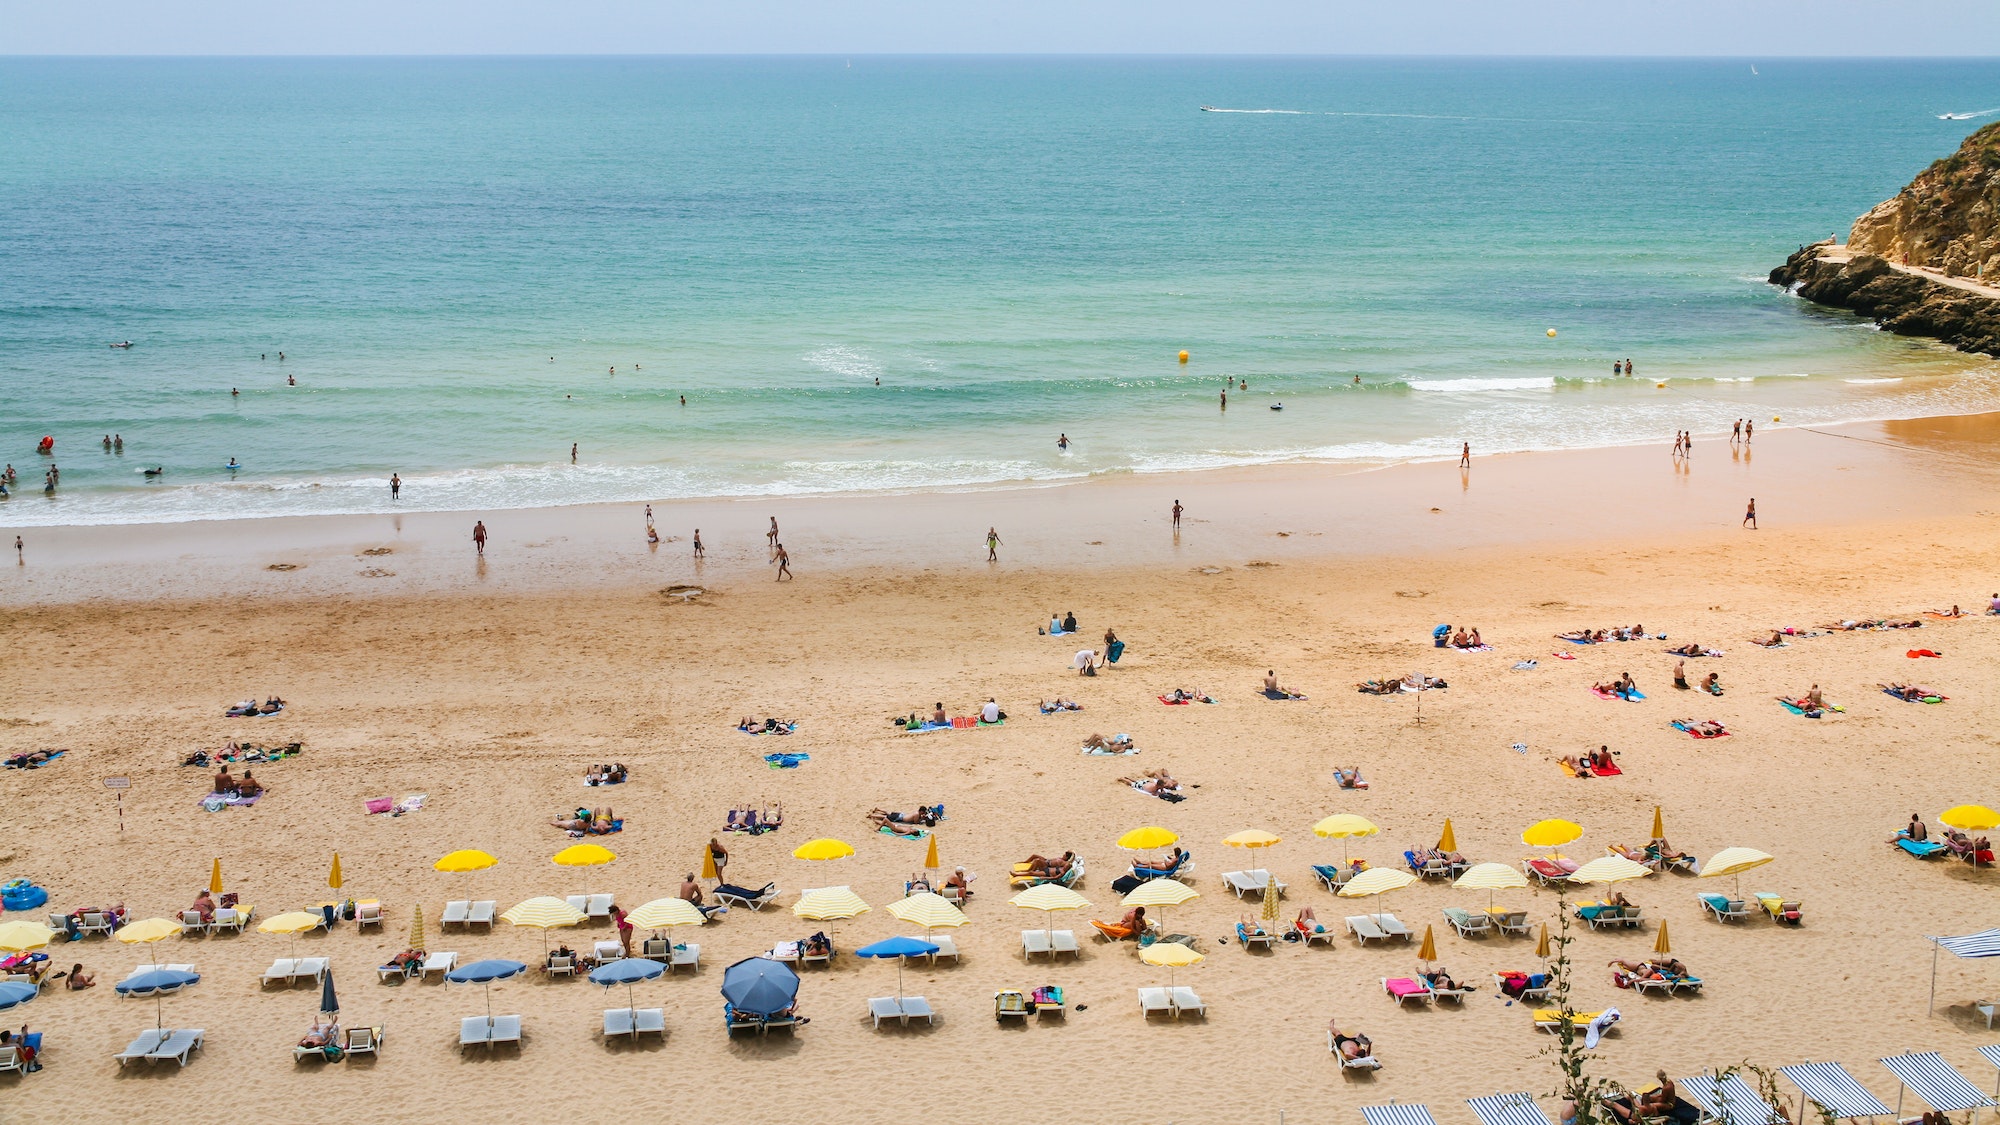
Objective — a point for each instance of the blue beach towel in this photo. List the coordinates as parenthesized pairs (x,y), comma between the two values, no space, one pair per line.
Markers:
(1922,849)
(1115,650)
(40,764)
(786,761)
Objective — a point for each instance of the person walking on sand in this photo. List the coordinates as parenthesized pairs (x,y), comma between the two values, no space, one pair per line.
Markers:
(771,536)
(1736,434)
(1750,516)
(992,544)
(1749,429)
(479,536)
(697,543)
(1465,456)
(1677,445)
(784,562)
(1177,513)
(395,487)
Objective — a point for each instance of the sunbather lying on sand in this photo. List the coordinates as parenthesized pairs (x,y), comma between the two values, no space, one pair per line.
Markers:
(1051,706)
(1116,745)
(1156,786)
(1911,693)
(1387,685)
(899,829)
(1583,636)
(1580,766)
(925,815)
(31,759)
(768,726)
(612,774)
(755,821)
(1704,728)
(1349,779)
(1622,686)
(1696,650)
(1186,695)
(1349,1046)
(1775,640)
(586,820)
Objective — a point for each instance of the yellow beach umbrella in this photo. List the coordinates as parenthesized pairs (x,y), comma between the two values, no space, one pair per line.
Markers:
(1542,946)
(1158,894)
(1551,833)
(1490,877)
(20,937)
(147,932)
(543,913)
(830,904)
(1147,839)
(1971,818)
(931,911)
(1376,881)
(1170,955)
(1429,952)
(1344,827)
(417,927)
(1447,841)
(583,855)
(1659,824)
(1734,861)
(1250,838)
(1049,898)
(1609,869)
(819,850)
(468,859)
(292,924)
(333,876)
(708,870)
(215,877)
(1662,946)
(930,854)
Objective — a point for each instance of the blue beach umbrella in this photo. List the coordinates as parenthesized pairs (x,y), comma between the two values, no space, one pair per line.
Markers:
(898,947)
(15,993)
(760,986)
(157,983)
(627,971)
(485,973)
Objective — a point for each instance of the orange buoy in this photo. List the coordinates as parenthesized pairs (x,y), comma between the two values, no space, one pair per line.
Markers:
(1183,355)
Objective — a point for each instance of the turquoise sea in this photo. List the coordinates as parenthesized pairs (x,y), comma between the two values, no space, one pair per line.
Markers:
(452,255)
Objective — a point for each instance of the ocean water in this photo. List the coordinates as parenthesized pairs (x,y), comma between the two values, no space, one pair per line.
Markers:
(453,255)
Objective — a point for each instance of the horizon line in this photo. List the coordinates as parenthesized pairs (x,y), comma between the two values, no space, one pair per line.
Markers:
(951,54)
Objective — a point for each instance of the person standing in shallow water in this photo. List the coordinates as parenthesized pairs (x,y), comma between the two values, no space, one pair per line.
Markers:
(1750,516)
(1177,513)
(479,536)
(697,543)
(992,544)
(1465,456)
(395,487)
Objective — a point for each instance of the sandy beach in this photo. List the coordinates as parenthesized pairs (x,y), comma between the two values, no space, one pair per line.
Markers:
(412,667)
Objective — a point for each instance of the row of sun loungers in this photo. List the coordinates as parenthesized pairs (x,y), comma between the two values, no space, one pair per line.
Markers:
(162,1043)
(290,970)
(1175,1000)
(902,1009)
(469,914)
(1245,883)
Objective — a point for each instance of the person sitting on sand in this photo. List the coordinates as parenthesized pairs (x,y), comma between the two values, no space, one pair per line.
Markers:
(1712,684)
(204,905)
(1069,622)
(1350,1046)
(1271,687)
(1916,832)
(225,783)
(248,785)
(959,881)
(77,980)
(1349,779)
(1117,745)
(1600,758)
(1460,639)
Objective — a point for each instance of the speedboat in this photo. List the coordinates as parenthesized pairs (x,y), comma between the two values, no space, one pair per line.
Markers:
(1208,109)
(123,344)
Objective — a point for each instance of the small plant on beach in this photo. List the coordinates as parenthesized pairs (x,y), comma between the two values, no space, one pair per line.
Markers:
(1575,1083)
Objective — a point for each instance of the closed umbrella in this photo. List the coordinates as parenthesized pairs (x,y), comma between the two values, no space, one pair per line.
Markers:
(1491,877)
(485,973)
(1429,952)
(1271,909)
(1662,945)
(14,993)
(1049,898)
(898,947)
(627,971)
(1344,827)
(1542,946)
(759,986)
(157,983)
(1447,841)
(333,874)
(1734,861)
(329,1004)
(930,854)
(1659,824)
(1376,881)
(147,932)
(215,877)
(417,928)
(708,870)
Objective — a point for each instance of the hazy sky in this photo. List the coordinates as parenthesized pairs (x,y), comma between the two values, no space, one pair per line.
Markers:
(1760,28)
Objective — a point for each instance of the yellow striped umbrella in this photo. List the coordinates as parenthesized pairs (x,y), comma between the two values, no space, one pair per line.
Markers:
(1049,898)
(1271,909)
(1160,894)
(665,914)
(417,927)
(1250,838)
(1609,869)
(1171,955)
(830,904)
(1490,877)
(931,911)
(1734,861)
(1376,881)
(20,937)
(542,913)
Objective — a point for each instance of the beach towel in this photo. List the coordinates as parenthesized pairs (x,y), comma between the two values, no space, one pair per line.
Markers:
(964,722)
(786,761)
(411,803)
(927,728)
(1801,707)
(1474,648)
(1607,771)
(1175,702)
(785,728)
(1114,650)
(380,804)
(994,723)
(1525,666)
(616,826)
(1916,652)
(1686,727)
(40,764)
(1562,656)
(919,834)
(1925,699)
(1576,641)
(1164,794)
(216,802)
(1280,695)
(1629,696)
(1057,710)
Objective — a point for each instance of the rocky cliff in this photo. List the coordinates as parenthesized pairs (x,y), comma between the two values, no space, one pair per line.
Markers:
(1900,302)
(1946,219)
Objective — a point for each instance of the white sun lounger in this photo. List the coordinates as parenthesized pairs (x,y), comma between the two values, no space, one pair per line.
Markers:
(1365,1062)
(685,955)
(439,963)
(1467,922)
(946,947)
(626,1021)
(560,966)
(191,923)
(367,914)
(1049,942)
(1185,1000)
(1154,1000)
(479,1030)
(231,918)
(763,898)
(885,1008)
(606,950)
(1245,882)
(283,969)
(915,1006)
(93,922)
(1724,908)
(481,914)
(10,1060)
(144,1045)
(177,1046)
(363,1041)
(455,913)
(1509,921)
(1363,926)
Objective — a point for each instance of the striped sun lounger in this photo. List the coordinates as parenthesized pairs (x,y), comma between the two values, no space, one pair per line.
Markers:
(1834,1090)
(1508,1109)
(1934,1080)
(1729,1100)
(1397,1115)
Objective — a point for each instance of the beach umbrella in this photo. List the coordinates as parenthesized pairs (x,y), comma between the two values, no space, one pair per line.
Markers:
(1542,946)
(1147,839)
(1376,881)
(1659,825)
(930,854)
(828,904)
(931,911)
(1429,952)
(1971,818)
(156,983)
(467,859)
(1447,840)
(20,937)
(588,855)
(627,971)
(1609,869)
(1551,833)
(1662,945)
(1170,955)
(293,923)
(1250,838)
(14,993)
(485,973)
(819,850)
(708,870)
(329,1004)
(1344,827)
(333,874)
(543,913)
(1734,861)
(898,947)
(666,913)
(1049,898)
(215,877)
(1490,877)
(1271,911)
(1160,894)
(417,927)
(759,986)
(147,932)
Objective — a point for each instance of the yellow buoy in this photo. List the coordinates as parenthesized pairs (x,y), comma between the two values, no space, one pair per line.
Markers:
(1552,331)
(1183,355)
(1774,417)
(1662,386)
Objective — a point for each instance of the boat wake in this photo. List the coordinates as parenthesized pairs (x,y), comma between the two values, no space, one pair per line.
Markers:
(1967,116)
